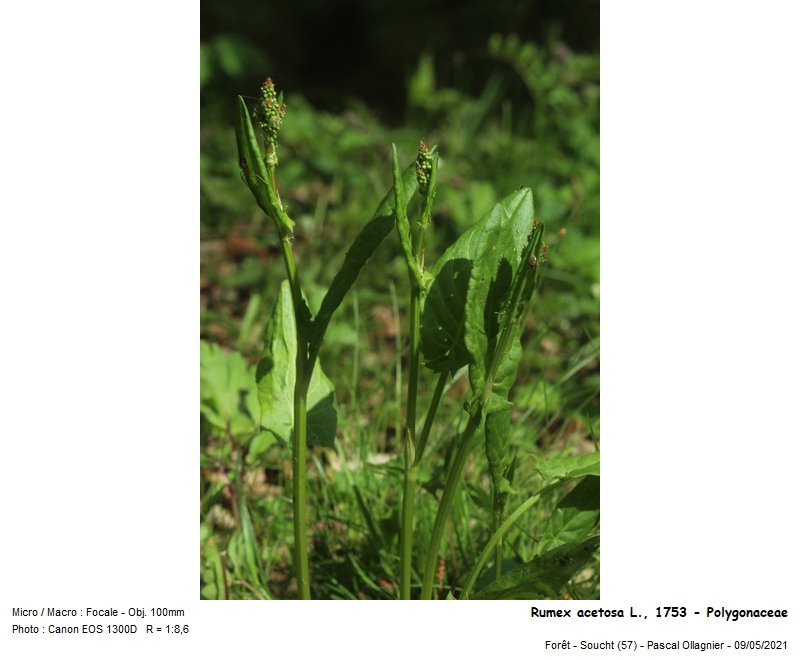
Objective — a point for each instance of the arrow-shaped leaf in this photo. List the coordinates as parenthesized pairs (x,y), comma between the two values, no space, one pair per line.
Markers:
(276,374)
(360,251)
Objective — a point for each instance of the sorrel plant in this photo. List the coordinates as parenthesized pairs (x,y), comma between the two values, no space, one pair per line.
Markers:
(467,310)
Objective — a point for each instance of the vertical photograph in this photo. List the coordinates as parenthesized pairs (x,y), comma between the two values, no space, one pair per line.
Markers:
(400,300)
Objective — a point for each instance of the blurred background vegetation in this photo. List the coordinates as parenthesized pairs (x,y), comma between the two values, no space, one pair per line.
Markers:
(509,91)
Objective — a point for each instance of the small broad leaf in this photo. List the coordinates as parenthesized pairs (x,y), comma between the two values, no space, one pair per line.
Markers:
(543,577)
(276,375)
(259,444)
(560,467)
(360,251)
(228,396)
(478,265)
(575,516)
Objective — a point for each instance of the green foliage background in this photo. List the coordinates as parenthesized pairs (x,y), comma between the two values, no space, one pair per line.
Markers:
(505,112)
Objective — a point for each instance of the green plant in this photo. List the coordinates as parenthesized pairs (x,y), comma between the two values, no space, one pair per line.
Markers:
(294,338)
(467,311)
(473,312)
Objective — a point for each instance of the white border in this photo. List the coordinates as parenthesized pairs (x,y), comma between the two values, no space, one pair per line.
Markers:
(98,268)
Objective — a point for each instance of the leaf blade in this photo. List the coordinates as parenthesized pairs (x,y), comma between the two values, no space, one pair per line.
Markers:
(401,218)
(459,287)
(276,376)
(254,169)
(228,398)
(365,244)
(568,467)
(575,516)
(543,577)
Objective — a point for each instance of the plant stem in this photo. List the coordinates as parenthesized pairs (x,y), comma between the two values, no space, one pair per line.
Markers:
(433,407)
(407,530)
(299,487)
(410,471)
(294,283)
(457,467)
(453,478)
(412,458)
(498,550)
(302,378)
(410,450)
(413,367)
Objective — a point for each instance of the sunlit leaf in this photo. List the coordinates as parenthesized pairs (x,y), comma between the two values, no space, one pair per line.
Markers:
(479,264)
(559,467)
(276,375)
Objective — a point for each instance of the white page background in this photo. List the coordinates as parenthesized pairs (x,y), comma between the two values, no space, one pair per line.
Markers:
(99,373)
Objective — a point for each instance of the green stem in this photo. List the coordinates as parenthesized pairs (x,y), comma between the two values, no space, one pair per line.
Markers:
(410,451)
(407,531)
(413,367)
(498,550)
(412,459)
(433,407)
(415,263)
(299,488)
(299,423)
(457,467)
(410,472)
(453,479)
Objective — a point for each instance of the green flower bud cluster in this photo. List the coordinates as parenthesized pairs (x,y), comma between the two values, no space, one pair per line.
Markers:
(424,167)
(270,117)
